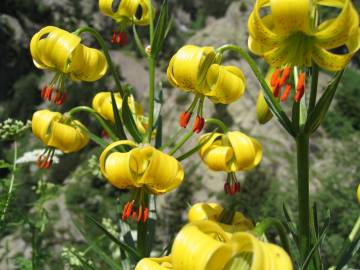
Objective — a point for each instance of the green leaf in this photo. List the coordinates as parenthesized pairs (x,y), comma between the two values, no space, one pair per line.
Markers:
(161,30)
(129,121)
(133,254)
(348,252)
(318,242)
(290,225)
(318,114)
(118,123)
(138,41)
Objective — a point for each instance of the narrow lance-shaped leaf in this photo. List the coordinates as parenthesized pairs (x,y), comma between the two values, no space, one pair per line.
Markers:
(318,114)
(129,121)
(118,123)
(160,30)
(133,254)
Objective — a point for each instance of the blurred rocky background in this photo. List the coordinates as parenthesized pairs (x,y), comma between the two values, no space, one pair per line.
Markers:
(74,186)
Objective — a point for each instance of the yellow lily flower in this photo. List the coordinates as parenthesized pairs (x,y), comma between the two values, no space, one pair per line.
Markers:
(230,152)
(127,11)
(163,263)
(57,131)
(358,193)
(144,169)
(289,36)
(102,105)
(55,49)
(213,211)
(197,70)
(204,245)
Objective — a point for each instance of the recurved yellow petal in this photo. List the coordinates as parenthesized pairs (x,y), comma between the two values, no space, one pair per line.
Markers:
(188,67)
(358,193)
(67,138)
(202,246)
(226,83)
(291,16)
(41,122)
(116,165)
(87,64)
(247,150)
(264,255)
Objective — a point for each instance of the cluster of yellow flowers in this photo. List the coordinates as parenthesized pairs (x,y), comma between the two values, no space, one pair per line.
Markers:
(287,37)
(207,243)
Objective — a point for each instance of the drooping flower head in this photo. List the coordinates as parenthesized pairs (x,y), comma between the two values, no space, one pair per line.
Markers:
(125,13)
(214,212)
(102,105)
(290,36)
(57,132)
(197,70)
(230,152)
(142,169)
(204,245)
(55,49)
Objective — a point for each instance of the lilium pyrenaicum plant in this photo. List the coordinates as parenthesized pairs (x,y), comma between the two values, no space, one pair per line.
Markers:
(230,152)
(55,49)
(197,70)
(143,169)
(290,36)
(57,132)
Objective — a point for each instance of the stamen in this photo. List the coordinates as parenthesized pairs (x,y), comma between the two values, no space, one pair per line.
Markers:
(286,92)
(285,75)
(145,215)
(232,185)
(300,88)
(198,124)
(277,87)
(43,90)
(275,77)
(184,119)
(113,37)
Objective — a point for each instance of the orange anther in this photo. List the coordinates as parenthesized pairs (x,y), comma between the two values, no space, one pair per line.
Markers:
(275,77)
(286,93)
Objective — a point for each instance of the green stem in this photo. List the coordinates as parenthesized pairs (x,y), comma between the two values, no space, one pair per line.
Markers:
(314,84)
(274,106)
(355,230)
(151,62)
(11,184)
(266,224)
(218,123)
(101,42)
(98,118)
(142,228)
(302,146)
(181,143)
